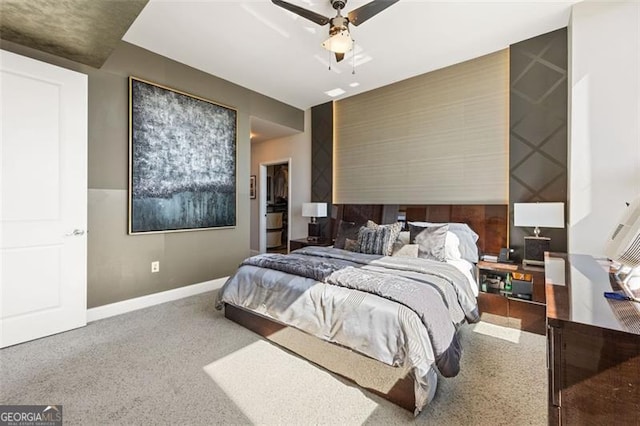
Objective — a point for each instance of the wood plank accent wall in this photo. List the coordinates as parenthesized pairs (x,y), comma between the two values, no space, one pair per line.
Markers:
(489,221)
(438,138)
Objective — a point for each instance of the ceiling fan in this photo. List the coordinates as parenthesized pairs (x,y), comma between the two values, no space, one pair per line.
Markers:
(339,41)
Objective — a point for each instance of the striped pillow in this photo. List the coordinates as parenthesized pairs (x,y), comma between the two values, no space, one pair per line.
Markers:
(373,241)
(394,228)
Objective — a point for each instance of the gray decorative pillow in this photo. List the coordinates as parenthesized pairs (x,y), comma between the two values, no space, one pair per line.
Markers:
(394,229)
(431,242)
(346,231)
(373,241)
(407,250)
(351,245)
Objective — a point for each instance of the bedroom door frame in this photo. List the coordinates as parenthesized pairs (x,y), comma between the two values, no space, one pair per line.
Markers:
(262,190)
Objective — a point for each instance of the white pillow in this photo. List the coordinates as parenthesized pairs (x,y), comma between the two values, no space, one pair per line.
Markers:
(466,235)
(403,240)
(404,237)
(452,247)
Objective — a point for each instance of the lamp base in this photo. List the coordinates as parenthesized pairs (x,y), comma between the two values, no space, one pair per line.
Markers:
(313,231)
(534,248)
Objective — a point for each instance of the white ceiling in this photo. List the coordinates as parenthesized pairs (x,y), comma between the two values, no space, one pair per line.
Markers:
(262,47)
(264,130)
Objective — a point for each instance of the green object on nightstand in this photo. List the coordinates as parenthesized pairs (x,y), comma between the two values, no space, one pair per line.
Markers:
(507,283)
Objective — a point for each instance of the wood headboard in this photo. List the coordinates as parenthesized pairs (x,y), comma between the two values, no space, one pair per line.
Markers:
(489,221)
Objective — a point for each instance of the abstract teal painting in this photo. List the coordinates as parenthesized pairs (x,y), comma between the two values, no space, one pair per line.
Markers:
(182,161)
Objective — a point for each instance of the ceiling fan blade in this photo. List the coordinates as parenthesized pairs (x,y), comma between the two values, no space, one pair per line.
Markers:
(308,14)
(339,56)
(368,11)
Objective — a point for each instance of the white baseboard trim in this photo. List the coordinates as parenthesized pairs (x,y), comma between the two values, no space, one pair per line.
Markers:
(254,252)
(141,302)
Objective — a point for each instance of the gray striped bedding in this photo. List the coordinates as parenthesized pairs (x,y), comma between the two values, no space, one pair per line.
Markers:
(334,303)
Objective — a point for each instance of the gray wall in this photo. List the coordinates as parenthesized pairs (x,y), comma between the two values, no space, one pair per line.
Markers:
(119,265)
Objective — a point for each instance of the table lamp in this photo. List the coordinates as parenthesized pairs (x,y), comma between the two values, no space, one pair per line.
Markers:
(545,215)
(314,211)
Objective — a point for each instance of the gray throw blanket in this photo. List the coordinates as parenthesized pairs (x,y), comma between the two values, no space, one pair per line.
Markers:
(425,300)
(317,268)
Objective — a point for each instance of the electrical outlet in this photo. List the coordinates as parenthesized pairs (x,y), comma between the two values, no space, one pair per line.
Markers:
(155,266)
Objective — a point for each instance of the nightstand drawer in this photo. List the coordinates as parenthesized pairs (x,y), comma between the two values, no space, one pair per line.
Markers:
(512,295)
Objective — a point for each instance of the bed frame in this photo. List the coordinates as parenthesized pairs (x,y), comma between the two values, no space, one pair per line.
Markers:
(393,385)
(489,221)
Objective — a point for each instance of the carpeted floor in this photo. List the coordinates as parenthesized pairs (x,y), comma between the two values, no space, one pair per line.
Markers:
(183,363)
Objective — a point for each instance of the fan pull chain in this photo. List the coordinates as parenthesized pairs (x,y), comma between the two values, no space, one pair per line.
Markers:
(330,54)
(353,57)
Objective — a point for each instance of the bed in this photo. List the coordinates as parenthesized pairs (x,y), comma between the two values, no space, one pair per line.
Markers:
(399,312)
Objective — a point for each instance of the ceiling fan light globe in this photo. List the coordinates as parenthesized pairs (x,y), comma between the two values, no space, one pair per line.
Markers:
(340,42)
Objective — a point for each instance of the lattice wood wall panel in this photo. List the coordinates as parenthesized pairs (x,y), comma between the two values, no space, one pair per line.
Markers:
(322,160)
(538,128)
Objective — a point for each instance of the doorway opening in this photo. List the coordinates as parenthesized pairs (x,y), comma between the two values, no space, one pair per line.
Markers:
(275,200)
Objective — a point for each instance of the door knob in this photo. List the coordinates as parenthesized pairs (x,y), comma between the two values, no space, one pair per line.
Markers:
(75,233)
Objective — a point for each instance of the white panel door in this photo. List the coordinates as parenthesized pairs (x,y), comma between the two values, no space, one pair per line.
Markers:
(43,211)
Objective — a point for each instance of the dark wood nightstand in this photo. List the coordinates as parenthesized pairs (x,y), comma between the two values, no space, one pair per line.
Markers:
(303,242)
(522,306)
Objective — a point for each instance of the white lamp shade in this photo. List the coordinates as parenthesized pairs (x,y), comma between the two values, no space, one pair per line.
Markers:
(314,209)
(543,215)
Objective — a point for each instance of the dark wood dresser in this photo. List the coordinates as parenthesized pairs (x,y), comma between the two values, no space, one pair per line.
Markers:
(593,345)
